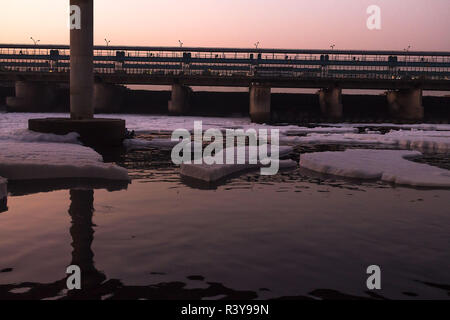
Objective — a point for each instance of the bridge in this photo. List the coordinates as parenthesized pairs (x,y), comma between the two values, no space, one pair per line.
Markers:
(36,69)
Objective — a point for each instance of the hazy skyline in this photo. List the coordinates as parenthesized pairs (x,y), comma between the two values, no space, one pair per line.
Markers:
(238,23)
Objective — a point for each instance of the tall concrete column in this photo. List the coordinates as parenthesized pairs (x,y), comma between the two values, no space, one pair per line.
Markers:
(260,103)
(330,100)
(82,62)
(406,104)
(180,100)
(100,133)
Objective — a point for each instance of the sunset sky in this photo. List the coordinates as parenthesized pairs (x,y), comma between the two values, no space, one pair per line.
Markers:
(425,25)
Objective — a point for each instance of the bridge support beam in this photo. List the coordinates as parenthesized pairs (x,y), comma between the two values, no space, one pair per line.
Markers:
(32,97)
(180,100)
(93,132)
(260,103)
(406,104)
(82,63)
(108,97)
(330,100)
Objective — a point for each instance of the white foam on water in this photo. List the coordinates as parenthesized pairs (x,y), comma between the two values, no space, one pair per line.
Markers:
(35,162)
(39,160)
(166,124)
(420,126)
(304,130)
(213,172)
(386,165)
(427,141)
(25,135)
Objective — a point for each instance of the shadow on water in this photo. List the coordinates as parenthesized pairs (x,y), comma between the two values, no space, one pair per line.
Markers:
(154,165)
(26,187)
(93,282)
(445,287)
(3,204)
(96,285)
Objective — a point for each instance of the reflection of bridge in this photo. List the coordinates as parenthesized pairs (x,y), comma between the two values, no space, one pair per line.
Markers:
(259,69)
(97,285)
(94,283)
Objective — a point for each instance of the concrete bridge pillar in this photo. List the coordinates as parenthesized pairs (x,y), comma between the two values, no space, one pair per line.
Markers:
(100,133)
(108,97)
(32,97)
(180,100)
(330,100)
(260,103)
(82,62)
(405,104)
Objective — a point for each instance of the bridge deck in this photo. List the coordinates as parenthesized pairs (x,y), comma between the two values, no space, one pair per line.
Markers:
(235,66)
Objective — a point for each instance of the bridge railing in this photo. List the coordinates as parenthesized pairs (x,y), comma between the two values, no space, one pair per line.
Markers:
(234,62)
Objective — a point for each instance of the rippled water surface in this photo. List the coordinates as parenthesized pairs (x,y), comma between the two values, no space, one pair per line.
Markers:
(292,235)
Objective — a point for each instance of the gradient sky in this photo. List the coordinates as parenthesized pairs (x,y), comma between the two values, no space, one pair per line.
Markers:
(423,24)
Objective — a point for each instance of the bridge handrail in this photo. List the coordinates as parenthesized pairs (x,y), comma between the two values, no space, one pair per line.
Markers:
(234,50)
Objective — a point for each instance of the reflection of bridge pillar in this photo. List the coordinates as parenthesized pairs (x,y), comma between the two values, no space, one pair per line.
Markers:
(82,63)
(3,204)
(32,97)
(81,211)
(259,103)
(406,104)
(3,195)
(108,97)
(330,100)
(180,100)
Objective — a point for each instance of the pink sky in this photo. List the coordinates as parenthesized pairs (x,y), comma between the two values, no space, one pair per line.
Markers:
(425,25)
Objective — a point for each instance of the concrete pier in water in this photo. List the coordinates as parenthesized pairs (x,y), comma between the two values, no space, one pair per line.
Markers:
(82,63)
(260,103)
(32,97)
(406,104)
(330,100)
(179,103)
(93,132)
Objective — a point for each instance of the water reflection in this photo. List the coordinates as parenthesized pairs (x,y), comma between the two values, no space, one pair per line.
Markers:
(96,286)
(3,204)
(27,187)
(81,212)
(93,282)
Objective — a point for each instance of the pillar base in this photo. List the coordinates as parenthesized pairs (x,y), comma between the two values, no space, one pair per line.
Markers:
(93,132)
(406,104)
(260,104)
(330,100)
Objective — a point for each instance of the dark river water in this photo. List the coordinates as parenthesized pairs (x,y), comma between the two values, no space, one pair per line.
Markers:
(293,235)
